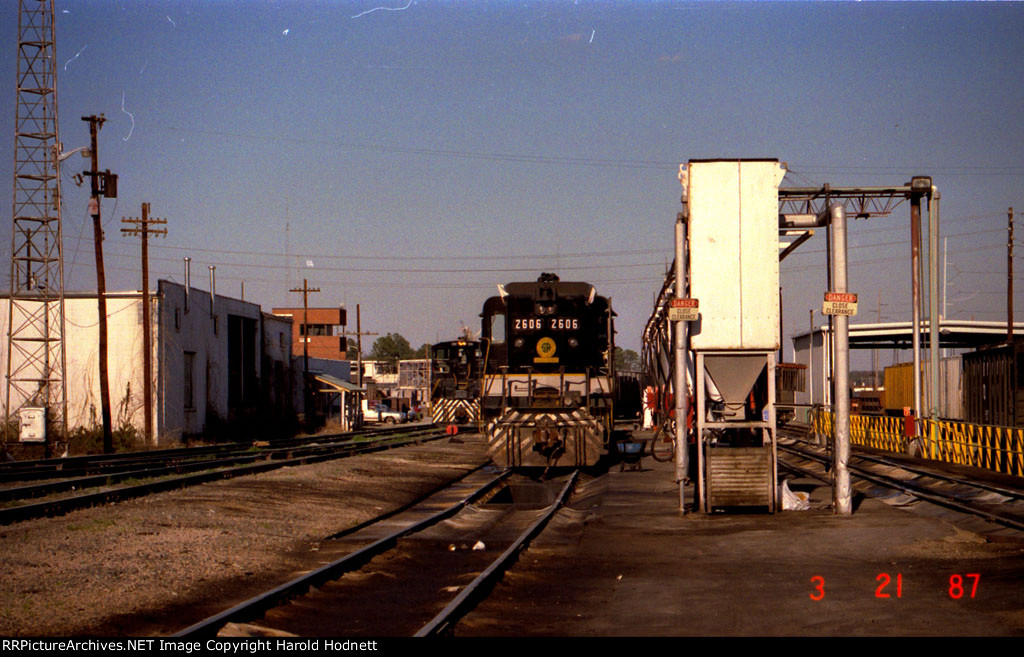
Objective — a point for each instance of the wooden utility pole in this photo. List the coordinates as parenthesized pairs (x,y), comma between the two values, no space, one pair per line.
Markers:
(359,344)
(304,336)
(359,348)
(304,329)
(95,176)
(1009,277)
(359,356)
(143,229)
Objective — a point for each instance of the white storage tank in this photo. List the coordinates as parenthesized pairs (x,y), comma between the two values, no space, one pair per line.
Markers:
(733,208)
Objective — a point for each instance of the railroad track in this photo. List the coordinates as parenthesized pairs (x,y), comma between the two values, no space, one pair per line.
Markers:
(198,468)
(95,464)
(451,556)
(996,503)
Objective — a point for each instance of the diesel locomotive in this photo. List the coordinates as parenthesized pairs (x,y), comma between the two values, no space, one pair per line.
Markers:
(455,381)
(548,378)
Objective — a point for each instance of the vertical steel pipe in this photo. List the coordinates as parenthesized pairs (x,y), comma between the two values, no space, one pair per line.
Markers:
(933,299)
(679,385)
(810,359)
(841,496)
(188,280)
(213,290)
(915,281)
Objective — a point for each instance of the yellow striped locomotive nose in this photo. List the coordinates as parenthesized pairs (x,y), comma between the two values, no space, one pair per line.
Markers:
(456,411)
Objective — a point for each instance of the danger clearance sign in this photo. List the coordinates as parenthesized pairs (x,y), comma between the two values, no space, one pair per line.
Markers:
(839,303)
(683,310)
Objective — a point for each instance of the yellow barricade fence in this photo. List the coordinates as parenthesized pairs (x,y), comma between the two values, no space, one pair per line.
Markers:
(995,448)
(1000,449)
(823,423)
(877,431)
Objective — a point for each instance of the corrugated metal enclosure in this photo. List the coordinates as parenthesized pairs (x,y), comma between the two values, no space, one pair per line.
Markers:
(994,392)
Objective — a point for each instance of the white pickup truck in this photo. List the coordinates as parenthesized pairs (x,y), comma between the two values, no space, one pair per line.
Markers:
(377,412)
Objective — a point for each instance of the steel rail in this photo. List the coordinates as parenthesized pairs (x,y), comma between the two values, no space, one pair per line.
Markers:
(98,465)
(159,468)
(949,501)
(445,621)
(1009,492)
(1015,493)
(254,607)
(59,507)
(117,464)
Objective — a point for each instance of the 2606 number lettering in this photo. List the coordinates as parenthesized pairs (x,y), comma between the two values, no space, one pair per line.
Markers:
(554,324)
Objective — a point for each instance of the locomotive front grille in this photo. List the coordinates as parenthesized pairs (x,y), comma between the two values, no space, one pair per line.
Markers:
(545,437)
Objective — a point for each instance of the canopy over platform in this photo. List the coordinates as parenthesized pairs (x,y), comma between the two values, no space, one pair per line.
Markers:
(953,334)
(334,384)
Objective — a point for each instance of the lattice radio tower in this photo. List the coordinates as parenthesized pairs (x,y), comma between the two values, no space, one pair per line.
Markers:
(35,349)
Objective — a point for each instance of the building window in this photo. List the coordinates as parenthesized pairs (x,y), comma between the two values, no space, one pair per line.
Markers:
(320,329)
(190,366)
(177,318)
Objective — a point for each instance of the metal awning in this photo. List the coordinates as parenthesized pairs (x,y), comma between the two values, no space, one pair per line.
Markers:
(335,384)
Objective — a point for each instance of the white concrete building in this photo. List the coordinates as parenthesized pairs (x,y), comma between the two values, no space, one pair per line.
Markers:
(215,360)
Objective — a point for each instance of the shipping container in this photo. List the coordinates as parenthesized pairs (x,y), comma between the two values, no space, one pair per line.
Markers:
(899,388)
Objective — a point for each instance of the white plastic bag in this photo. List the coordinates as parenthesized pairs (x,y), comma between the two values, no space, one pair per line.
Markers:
(793,500)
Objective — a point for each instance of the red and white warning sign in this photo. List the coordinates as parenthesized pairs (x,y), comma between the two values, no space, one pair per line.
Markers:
(839,303)
(683,310)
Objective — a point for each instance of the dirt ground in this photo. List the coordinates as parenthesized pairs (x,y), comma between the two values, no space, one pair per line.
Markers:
(624,562)
(157,564)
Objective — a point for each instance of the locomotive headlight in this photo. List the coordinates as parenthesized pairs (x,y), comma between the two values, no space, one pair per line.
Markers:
(573,342)
(518,343)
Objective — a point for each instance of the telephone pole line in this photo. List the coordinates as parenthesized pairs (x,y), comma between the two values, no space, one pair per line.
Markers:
(304,335)
(143,228)
(105,184)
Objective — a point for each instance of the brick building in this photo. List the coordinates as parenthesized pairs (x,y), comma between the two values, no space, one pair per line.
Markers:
(320,329)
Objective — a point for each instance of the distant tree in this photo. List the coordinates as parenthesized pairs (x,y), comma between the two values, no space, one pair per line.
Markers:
(352,353)
(392,348)
(626,360)
(422,351)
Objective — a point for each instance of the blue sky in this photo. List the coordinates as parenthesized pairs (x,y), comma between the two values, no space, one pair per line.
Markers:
(409,156)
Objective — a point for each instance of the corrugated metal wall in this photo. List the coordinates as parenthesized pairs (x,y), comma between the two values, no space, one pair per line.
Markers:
(990,385)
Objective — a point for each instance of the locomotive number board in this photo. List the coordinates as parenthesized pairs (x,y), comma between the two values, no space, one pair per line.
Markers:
(548,323)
